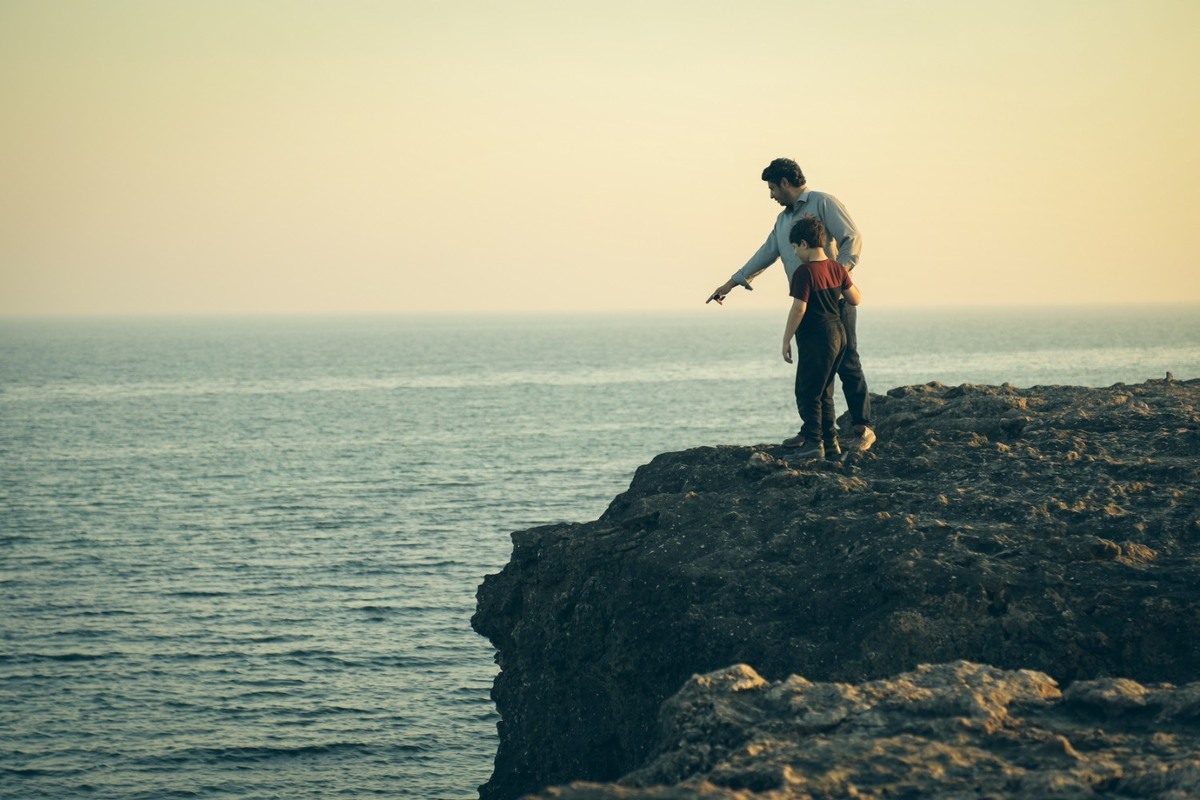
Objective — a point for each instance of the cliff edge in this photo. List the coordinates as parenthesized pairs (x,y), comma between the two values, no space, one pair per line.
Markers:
(1053,530)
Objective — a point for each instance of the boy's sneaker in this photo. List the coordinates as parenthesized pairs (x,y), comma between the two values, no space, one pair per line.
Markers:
(807,449)
(833,450)
(863,438)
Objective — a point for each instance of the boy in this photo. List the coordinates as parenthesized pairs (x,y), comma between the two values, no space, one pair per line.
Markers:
(815,319)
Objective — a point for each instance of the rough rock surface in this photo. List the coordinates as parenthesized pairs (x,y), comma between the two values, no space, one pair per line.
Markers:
(944,731)
(1054,529)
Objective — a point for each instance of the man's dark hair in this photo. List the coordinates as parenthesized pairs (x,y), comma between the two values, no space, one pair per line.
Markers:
(809,230)
(782,168)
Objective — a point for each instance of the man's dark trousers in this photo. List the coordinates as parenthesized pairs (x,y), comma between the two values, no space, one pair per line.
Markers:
(854,383)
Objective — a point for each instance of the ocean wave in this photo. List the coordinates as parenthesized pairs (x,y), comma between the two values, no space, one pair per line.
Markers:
(724,370)
(33,658)
(257,754)
(198,593)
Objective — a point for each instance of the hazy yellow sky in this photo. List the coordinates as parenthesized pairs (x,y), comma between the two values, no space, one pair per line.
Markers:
(281,156)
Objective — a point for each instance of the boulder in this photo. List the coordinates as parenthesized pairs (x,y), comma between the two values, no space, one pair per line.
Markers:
(940,732)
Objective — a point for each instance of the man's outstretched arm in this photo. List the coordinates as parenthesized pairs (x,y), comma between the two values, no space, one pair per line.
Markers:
(767,255)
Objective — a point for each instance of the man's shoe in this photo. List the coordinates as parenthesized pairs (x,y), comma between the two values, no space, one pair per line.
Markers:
(794,441)
(833,450)
(863,439)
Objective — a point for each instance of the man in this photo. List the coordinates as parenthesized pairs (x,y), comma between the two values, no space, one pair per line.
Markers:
(789,188)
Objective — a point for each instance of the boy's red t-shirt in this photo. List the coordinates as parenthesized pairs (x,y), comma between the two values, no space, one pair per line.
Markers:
(820,284)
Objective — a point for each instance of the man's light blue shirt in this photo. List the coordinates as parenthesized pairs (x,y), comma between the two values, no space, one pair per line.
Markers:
(844,245)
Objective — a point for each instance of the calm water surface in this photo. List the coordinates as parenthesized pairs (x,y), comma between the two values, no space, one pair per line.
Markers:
(238,557)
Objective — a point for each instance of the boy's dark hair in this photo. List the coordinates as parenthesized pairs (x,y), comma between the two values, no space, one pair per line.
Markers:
(782,168)
(810,230)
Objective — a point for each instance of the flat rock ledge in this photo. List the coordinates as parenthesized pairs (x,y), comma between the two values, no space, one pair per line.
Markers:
(944,731)
(1050,531)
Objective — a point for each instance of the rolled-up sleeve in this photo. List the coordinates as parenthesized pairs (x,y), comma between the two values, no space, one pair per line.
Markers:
(842,230)
(765,257)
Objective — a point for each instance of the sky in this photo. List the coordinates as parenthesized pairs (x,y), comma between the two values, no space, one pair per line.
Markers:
(160,157)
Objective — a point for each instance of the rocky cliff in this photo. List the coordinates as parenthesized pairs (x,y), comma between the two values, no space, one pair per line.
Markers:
(1051,530)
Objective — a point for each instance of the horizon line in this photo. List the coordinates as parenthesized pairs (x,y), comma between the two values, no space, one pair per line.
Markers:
(736,309)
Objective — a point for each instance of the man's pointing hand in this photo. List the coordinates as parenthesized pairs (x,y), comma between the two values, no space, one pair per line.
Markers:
(722,292)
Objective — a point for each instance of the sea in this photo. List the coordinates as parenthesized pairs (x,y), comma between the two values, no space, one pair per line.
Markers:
(239,556)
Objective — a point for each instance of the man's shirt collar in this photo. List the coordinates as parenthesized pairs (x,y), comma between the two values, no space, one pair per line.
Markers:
(801,199)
